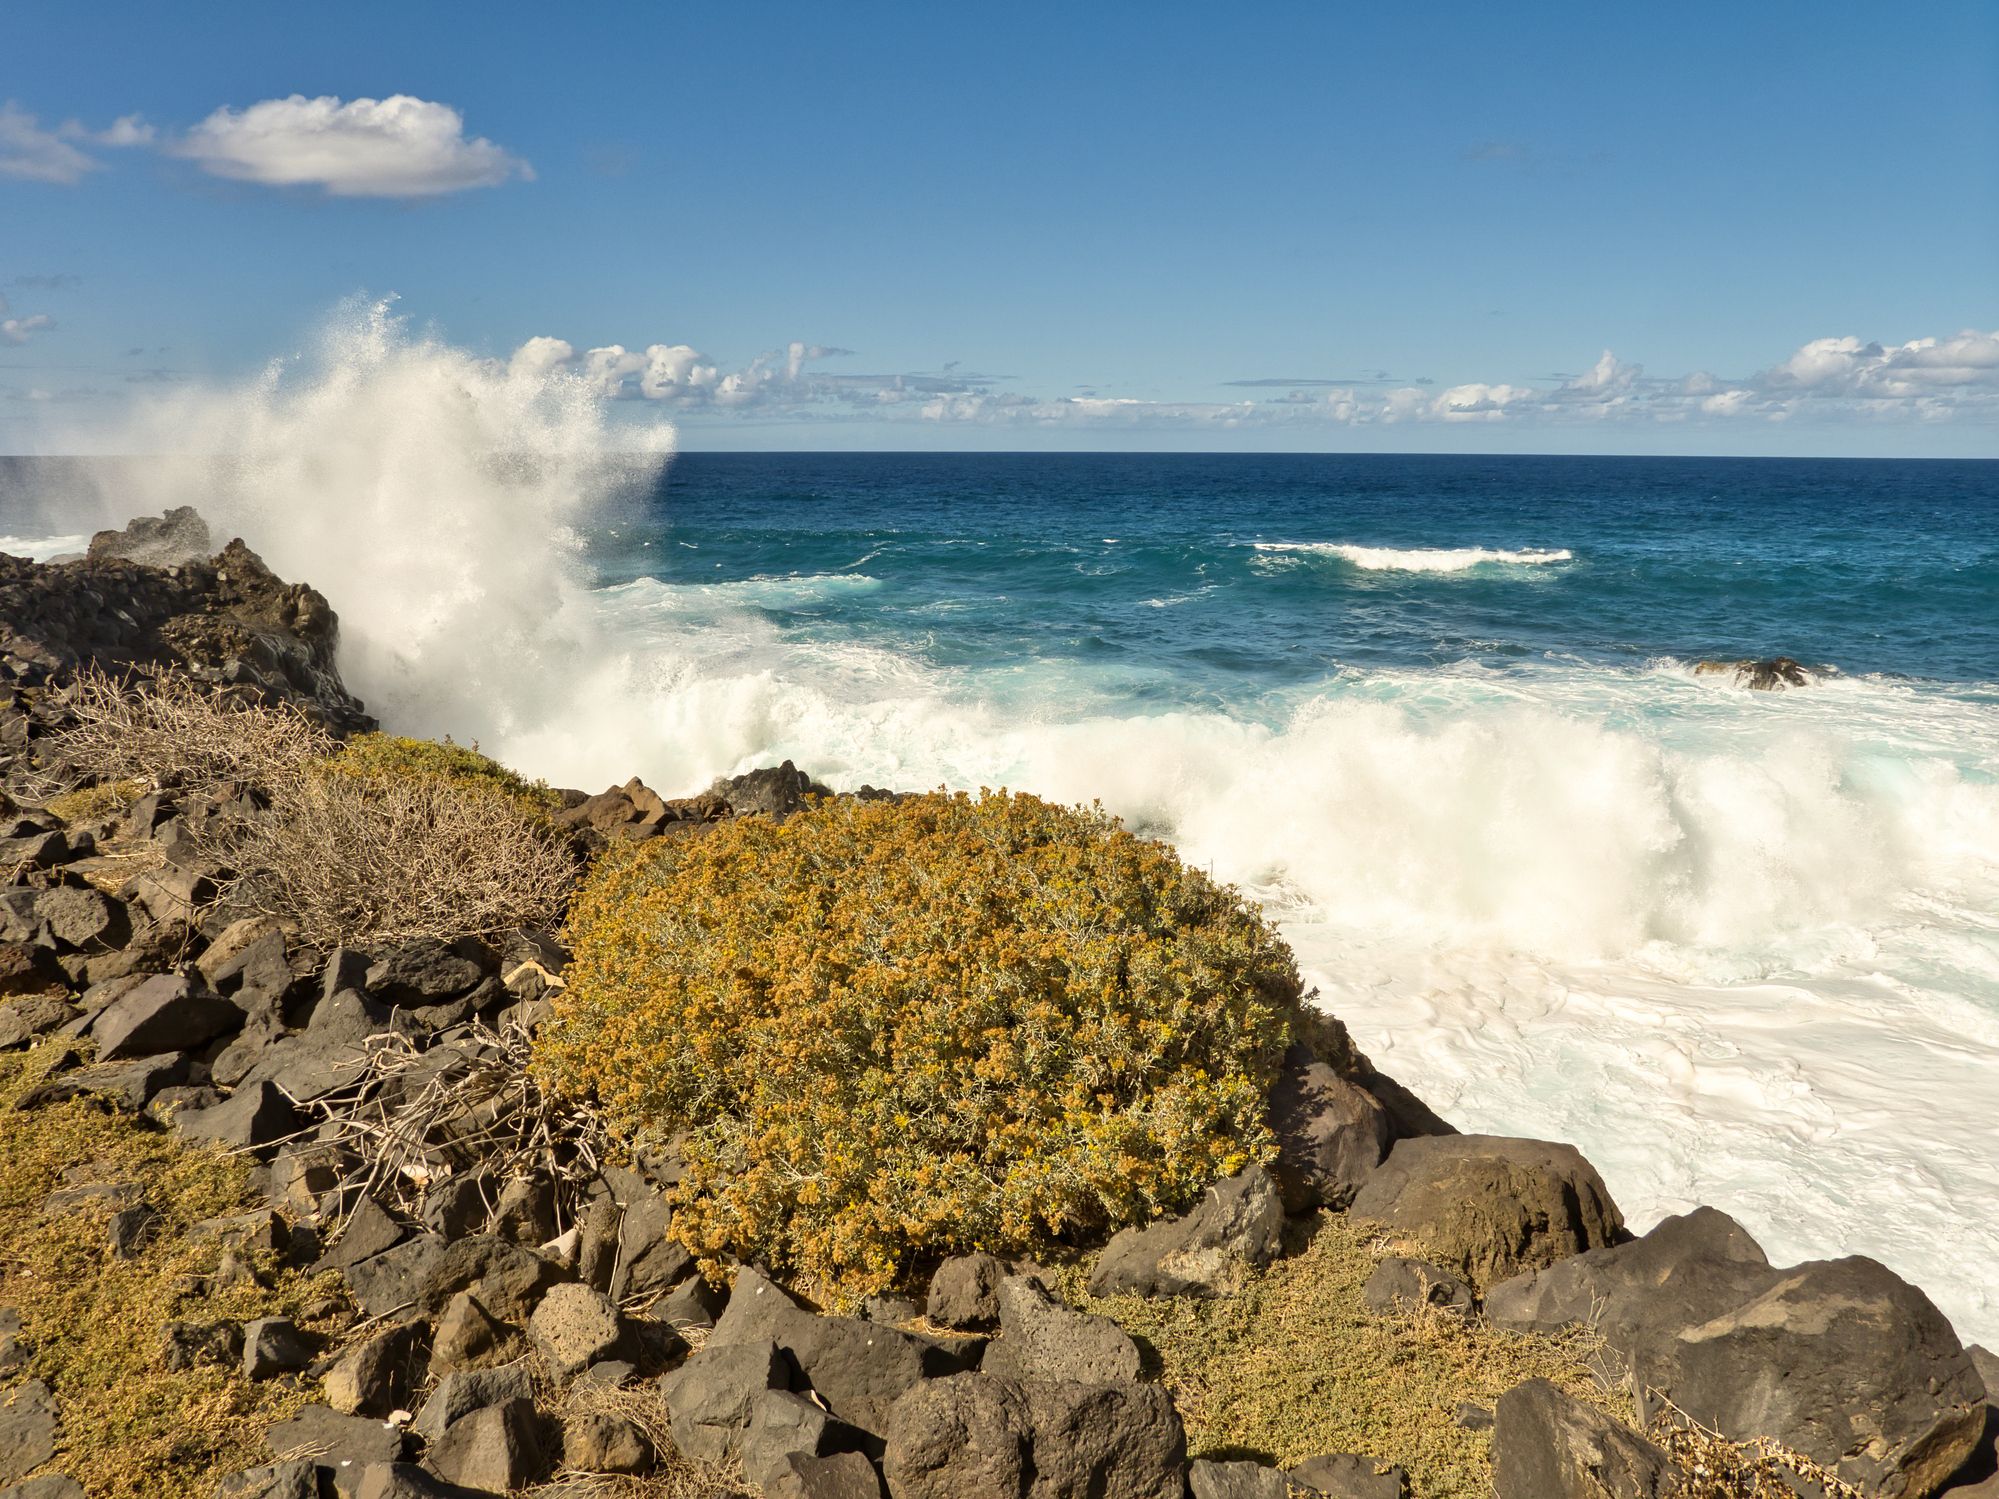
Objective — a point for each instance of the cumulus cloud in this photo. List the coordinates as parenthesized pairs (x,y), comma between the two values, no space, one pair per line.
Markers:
(398,147)
(1926,379)
(17,330)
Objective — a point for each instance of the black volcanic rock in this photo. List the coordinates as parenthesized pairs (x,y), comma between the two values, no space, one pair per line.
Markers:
(226,619)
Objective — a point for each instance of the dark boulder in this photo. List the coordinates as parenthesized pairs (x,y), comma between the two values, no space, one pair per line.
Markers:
(971,1434)
(379,1374)
(274,1345)
(1105,1441)
(180,535)
(458,1395)
(1840,1360)
(1548,1445)
(964,1291)
(1331,1133)
(1770,674)
(126,1086)
(781,1425)
(1238,1226)
(297,1479)
(29,1429)
(858,1368)
(709,1398)
(773,791)
(1040,1338)
(839,1475)
(1345,1475)
(255,1114)
(164,1013)
(470,1337)
(1489,1206)
(1400,1284)
(343,1443)
(1235,1480)
(498,1448)
(598,1442)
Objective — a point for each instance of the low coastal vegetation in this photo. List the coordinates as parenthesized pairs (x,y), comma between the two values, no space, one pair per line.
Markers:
(881,1032)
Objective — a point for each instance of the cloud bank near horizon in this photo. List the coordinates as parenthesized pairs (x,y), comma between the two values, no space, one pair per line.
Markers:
(1929,379)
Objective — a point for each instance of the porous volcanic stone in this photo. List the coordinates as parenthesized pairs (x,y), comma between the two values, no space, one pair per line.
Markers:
(574,1327)
(964,1292)
(709,1398)
(1042,1339)
(1345,1475)
(597,1442)
(1235,1480)
(497,1447)
(1489,1206)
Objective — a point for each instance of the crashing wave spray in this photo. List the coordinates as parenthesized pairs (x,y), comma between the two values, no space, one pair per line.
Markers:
(433,496)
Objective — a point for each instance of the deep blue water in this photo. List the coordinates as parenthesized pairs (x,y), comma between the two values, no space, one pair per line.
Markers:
(1148,566)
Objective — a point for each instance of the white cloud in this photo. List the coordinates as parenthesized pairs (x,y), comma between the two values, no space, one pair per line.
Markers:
(1926,379)
(126,130)
(398,147)
(32,154)
(17,330)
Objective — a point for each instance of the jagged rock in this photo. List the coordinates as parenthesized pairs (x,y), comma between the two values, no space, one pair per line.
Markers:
(1841,1360)
(297,1479)
(508,1280)
(1331,1133)
(397,1279)
(376,1376)
(255,1114)
(598,1442)
(225,618)
(1399,1283)
(369,1231)
(1345,1475)
(31,1015)
(1105,1441)
(964,1292)
(333,1440)
(458,1395)
(127,1086)
(709,1398)
(456,1207)
(773,791)
(691,1304)
(226,956)
(840,1475)
(648,1261)
(781,1424)
(574,1327)
(26,969)
(1771,674)
(29,1428)
(1548,1445)
(858,1368)
(165,1013)
(426,971)
(185,1345)
(178,536)
(127,1230)
(497,1447)
(597,1242)
(1471,1417)
(1239,1225)
(1489,1206)
(274,1345)
(82,918)
(47,1486)
(408,1481)
(969,1434)
(1042,1339)
(1235,1480)
(469,1337)
(525,1212)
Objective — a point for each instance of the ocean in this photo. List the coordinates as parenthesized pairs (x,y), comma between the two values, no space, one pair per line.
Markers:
(1437,714)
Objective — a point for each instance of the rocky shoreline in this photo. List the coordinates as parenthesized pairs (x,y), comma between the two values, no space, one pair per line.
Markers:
(478,1312)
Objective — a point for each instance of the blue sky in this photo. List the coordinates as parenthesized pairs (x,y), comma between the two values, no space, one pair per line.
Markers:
(1039,226)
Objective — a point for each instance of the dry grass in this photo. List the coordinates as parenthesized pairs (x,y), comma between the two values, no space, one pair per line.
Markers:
(132,1430)
(1297,1365)
(89,803)
(1716,1468)
(675,1477)
(175,732)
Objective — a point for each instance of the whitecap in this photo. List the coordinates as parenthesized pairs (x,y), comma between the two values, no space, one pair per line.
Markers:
(1421,559)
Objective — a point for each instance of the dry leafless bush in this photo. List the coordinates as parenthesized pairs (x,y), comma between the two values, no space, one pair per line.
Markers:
(173,731)
(360,859)
(1713,1467)
(413,1118)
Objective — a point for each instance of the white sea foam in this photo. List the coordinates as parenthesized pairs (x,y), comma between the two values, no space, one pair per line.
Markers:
(1739,947)
(1418,559)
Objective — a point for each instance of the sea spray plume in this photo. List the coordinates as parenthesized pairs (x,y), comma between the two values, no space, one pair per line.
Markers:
(432,495)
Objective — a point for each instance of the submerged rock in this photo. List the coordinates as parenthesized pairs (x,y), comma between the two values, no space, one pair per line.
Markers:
(1771,674)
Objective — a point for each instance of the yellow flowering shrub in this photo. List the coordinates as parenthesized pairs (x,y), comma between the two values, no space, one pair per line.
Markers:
(883,1032)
